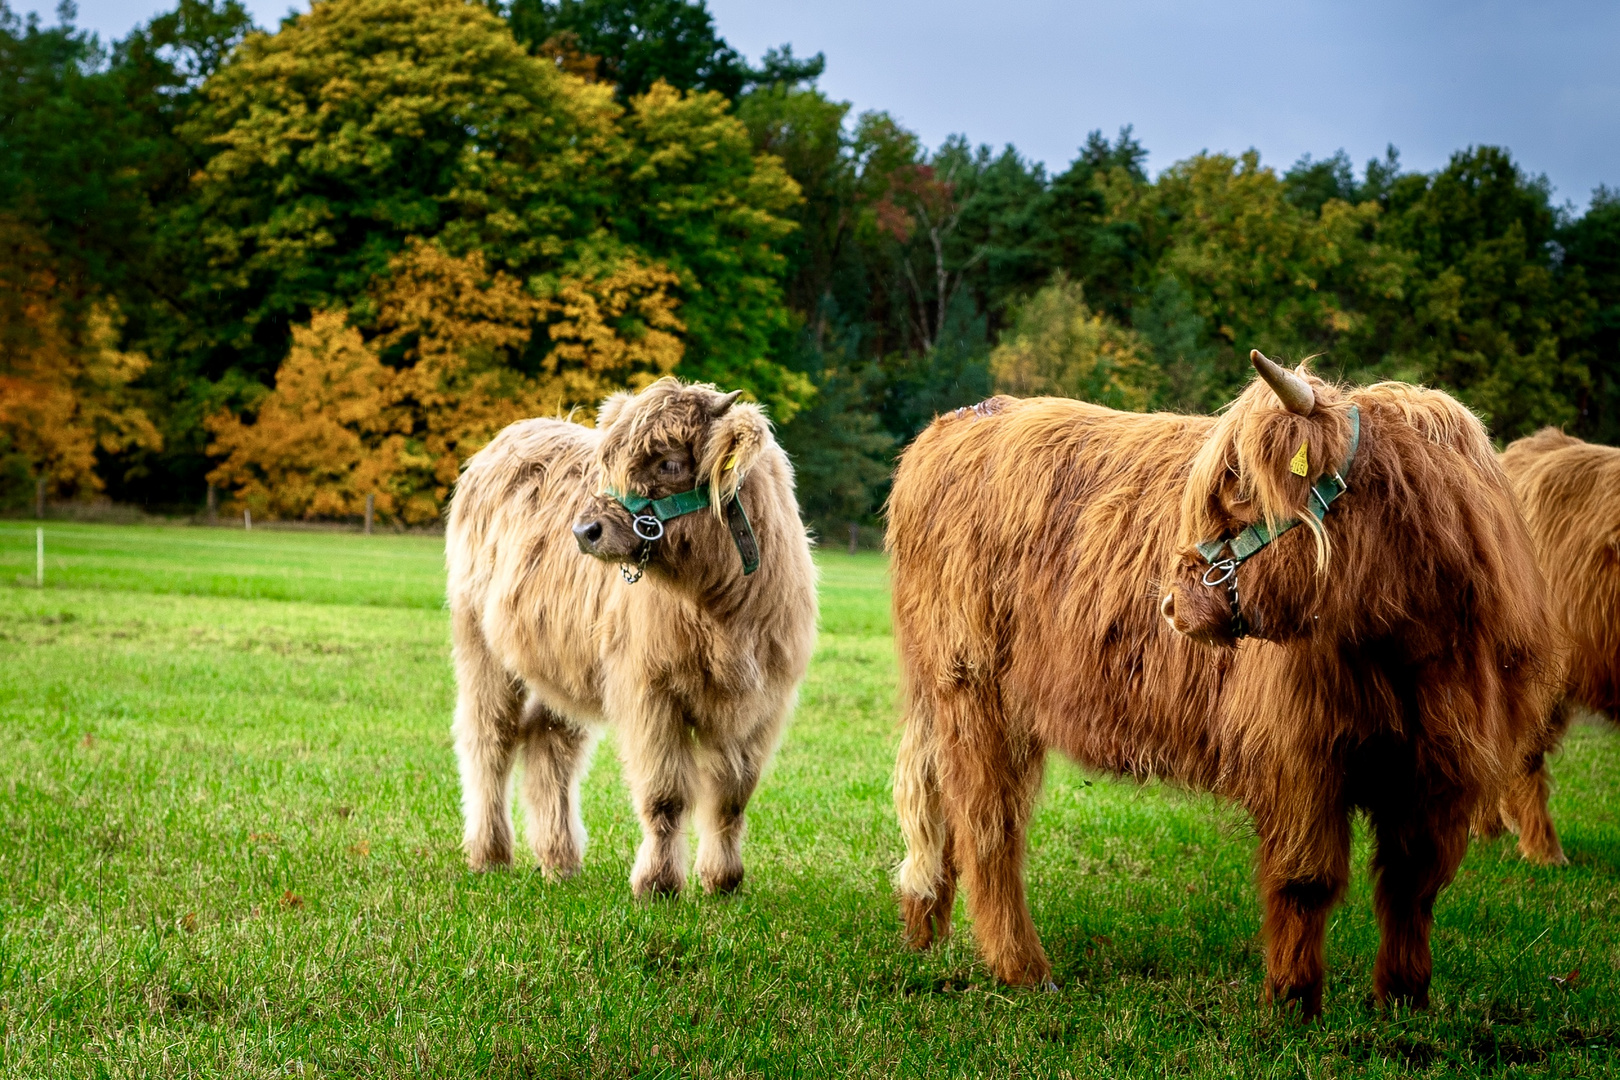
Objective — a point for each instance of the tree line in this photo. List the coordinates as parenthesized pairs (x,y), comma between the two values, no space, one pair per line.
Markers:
(330,261)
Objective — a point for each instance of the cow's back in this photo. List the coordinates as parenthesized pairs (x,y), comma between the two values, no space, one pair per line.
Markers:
(514,569)
(1569,491)
(1028,539)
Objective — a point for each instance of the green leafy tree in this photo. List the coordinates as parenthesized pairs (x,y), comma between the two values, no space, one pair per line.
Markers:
(1489,316)
(697,197)
(368,122)
(633,44)
(1057,345)
(1592,249)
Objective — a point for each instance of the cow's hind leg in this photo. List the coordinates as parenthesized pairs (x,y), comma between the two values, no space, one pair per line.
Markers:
(485,732)
(927,877)
(727,775)
(1418,849)
(1524,807)
(556,755)
(1299,886)
(656,747)
(989,778)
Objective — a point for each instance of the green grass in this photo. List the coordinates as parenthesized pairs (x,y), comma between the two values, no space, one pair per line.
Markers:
(228,848)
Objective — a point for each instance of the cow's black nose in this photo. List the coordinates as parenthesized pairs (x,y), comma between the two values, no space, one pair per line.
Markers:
(587,536)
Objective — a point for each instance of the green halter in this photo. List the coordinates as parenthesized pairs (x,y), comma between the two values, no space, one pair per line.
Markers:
(648,517)
(1251,540)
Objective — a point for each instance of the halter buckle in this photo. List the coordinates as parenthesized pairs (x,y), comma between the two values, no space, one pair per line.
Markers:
(647,527)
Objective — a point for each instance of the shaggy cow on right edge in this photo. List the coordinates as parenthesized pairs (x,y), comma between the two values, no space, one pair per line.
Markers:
(1320,602)
(1569,491)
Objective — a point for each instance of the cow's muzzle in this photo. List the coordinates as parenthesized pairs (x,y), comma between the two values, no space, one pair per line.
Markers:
(587,534)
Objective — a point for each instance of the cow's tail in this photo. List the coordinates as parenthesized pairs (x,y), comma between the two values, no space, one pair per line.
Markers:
(926,878)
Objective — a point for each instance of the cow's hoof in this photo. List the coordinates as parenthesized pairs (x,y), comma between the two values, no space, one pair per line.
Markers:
(1033,973)
(1544,856)
(927,920)
(559,872)
(656,886)
(721,882)
(482,861)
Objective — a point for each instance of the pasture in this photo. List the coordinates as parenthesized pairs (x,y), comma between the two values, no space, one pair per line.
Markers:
(229,848)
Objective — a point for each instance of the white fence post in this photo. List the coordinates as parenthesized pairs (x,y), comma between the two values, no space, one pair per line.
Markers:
(39,557)
(247,519)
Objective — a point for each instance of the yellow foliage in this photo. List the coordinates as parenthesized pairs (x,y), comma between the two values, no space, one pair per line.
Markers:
(447,368)
(64,384)
(323,439)
(1058,346)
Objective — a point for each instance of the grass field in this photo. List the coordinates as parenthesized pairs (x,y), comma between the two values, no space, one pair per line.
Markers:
(229,848)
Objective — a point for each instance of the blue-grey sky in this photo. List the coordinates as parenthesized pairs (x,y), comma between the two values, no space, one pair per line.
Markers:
(1286,77)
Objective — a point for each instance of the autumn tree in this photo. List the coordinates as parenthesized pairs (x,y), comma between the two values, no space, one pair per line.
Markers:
(455,352)
(65,397)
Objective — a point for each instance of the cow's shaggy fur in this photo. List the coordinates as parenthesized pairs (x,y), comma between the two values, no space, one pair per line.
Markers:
(1396,662)
(1569,491)
(697,665)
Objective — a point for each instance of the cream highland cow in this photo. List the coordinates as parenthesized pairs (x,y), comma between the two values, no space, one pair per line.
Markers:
(652,574)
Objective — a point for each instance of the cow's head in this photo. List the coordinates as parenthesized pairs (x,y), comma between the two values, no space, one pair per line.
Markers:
(668,439)
(1283,434)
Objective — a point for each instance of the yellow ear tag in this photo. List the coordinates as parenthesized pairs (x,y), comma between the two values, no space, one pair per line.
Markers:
(731,462)
(1299,466)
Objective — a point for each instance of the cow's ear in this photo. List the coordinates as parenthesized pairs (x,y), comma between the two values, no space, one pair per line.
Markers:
(736,440)
(609,410)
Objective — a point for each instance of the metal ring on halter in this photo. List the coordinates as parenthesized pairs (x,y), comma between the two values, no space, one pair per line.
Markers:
(647,527)
(1226,568)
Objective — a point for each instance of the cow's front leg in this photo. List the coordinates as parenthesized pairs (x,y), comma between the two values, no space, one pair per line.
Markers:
(658,761)
(1303,873)
(1419,846)
(728,772)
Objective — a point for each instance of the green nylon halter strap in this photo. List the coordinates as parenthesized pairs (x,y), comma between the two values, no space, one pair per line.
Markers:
(670,506)
(685,502)
(1328,487)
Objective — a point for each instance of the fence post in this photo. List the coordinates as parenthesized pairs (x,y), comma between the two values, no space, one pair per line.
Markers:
(39,557)
(854,536)
(371,504)
(247,519)
(213,504)
(39,498)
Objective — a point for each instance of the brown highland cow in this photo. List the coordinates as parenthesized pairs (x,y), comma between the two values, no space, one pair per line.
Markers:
(1388,656)
(1569,491)
(697,665)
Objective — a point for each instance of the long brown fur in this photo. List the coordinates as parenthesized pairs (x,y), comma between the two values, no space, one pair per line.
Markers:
(1396,664)
(1569,491)
(697,665)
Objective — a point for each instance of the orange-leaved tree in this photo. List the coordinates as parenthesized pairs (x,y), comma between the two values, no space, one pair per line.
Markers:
(64,384)
(324,438)
(455,353)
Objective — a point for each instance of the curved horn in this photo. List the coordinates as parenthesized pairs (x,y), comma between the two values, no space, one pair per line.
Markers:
(1294,392)
(724,402)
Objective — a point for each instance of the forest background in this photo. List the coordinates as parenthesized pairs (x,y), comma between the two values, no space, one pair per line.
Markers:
(330,262)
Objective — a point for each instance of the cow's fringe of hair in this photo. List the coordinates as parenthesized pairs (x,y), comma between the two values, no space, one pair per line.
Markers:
(1245,457)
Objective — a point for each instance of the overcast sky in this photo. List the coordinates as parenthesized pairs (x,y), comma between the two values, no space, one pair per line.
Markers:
(1286,78)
